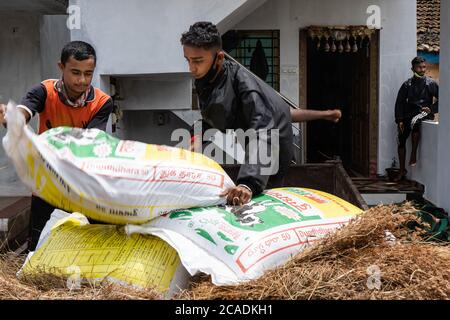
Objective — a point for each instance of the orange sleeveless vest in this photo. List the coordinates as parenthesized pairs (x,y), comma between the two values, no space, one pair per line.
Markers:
(57,114)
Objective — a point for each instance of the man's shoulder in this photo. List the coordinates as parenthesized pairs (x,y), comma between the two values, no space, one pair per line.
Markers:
(245,81)
(49,81)
(97,94)
(48,84)
(101,92)
(430,81)
(38,90)
(233,69)
(407,82)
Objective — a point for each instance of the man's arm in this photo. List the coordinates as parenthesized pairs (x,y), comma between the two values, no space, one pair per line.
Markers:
(250,180)
(400,104)
(304,115)
(34,101)
(435,92)
(101,117)
(259,117)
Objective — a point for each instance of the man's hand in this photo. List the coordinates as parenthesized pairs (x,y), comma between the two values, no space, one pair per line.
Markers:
(426,109)
(25,113)
(2,114)
(401,126)
(333,115)
(237,196)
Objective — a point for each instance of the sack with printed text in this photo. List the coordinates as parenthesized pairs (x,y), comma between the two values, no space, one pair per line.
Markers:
(238,243)
(107,179)
(71,247)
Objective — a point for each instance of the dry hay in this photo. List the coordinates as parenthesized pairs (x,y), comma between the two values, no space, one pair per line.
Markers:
(51,287)
(341,266)
(337,268)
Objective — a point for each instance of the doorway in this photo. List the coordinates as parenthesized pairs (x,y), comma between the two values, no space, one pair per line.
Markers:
(341,71)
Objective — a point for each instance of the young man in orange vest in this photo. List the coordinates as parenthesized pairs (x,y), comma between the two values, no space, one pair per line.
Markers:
(70,101)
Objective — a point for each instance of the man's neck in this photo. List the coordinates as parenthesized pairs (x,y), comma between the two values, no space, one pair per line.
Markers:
(73,96)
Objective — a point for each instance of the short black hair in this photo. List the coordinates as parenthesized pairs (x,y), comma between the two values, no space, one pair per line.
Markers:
(79,50)
(417,60)
(202,34)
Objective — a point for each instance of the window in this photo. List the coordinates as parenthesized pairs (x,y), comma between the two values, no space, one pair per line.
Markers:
(241,45)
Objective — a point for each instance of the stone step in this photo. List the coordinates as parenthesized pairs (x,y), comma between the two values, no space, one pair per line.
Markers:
(383,191)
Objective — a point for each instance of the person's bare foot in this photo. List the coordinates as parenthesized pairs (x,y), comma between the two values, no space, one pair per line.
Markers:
(412,161)
(333,115)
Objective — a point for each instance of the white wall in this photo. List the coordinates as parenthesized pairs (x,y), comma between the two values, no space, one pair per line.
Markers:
(443,164)
(19,55)
(54,34)
(156,92)
(30,45)
(398,40)
(433,168)
(426,171)
(136,121)
(19,71)
(397,47)
(143,36)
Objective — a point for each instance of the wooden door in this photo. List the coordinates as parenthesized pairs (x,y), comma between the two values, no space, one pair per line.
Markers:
(360,111)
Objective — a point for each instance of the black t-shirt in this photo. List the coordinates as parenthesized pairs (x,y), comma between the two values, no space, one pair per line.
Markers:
(414,94)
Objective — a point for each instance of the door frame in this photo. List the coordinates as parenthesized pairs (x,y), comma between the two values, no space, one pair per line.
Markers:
(373,93)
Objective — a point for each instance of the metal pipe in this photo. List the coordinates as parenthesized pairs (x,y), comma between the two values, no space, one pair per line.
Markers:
(288,101)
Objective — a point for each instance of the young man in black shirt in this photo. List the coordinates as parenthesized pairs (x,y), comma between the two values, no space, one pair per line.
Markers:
(230,98)
(414,103)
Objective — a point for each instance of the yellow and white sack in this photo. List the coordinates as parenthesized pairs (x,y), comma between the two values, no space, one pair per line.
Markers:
(240,243)
(107,179)
(71,247)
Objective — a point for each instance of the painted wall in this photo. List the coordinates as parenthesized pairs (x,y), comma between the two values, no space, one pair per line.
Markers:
(141,39)
(30,47)
(142,36)
(443,153)
(396,52)
(54,34)
(433,167)
(19,70)
(144,126)
(425,171)
(19,55)
(156,92)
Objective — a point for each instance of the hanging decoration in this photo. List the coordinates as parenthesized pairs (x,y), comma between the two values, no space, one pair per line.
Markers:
(340,47)
(340,39)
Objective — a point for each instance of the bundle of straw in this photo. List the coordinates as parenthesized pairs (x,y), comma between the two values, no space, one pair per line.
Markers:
(359,261)
(50,287)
